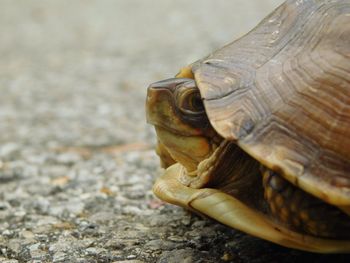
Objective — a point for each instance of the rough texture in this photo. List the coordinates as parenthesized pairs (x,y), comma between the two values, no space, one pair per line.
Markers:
(76,157)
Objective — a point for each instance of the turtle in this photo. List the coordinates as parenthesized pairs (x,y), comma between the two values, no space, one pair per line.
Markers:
(256,135)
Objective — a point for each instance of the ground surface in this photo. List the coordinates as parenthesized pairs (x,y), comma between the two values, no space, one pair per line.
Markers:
(76,156)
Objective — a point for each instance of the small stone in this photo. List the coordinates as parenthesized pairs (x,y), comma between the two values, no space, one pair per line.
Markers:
(36,252)
(186,221)
(5,260)
(107,191)
(60,181)
(92,250)
(116,243)
(42,205)
(65,243)
(199,224)
(132,210)
(74,206)
(27,234)
(175,256)
(8,149)
(154,244)
(15,245)
(4,205)
(7,233)
(159,220)
(68,158)
(59,257)
(95,250)
(176,238)
(102,217)
(155,203)
(64,226)
(20,213)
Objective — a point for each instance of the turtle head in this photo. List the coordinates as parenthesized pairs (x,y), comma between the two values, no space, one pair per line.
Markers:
(174,106)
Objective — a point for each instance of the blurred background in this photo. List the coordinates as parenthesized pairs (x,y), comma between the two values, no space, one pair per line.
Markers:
(76,156)
(76,72)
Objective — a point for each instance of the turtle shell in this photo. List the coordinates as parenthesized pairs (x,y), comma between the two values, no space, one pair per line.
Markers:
(282,92)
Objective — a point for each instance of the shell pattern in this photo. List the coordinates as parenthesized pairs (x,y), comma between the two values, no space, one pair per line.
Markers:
(282,92)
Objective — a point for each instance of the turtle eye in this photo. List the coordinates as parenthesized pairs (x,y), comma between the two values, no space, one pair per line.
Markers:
(190,107)
(190,101)
(195,102)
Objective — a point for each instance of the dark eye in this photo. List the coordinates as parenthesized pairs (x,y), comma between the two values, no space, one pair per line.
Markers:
(195,102)
(189,101)
(189,105)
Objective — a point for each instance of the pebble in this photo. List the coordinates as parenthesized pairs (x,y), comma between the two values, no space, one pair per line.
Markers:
(59,257)
(7,233)
(4,260)
(176,256)
(36,252)
(8,149)
(159,244)
(27,234)
(176,238)
(15,245)
(68,158)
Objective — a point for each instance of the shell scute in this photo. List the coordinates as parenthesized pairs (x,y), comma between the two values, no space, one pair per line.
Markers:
(282,92)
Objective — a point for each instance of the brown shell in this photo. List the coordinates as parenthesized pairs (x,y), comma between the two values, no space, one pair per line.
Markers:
(283,93)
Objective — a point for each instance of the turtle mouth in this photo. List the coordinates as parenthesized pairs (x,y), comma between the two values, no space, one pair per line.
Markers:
(197,154)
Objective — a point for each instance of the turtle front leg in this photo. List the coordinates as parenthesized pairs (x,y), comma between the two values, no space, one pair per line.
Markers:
(170,189)
(232,212)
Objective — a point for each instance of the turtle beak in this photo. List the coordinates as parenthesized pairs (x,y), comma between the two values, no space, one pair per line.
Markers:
(160,108)
(160,112)
(158,102)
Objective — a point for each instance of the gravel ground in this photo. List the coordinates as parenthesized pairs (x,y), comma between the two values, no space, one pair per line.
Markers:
(76,156)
